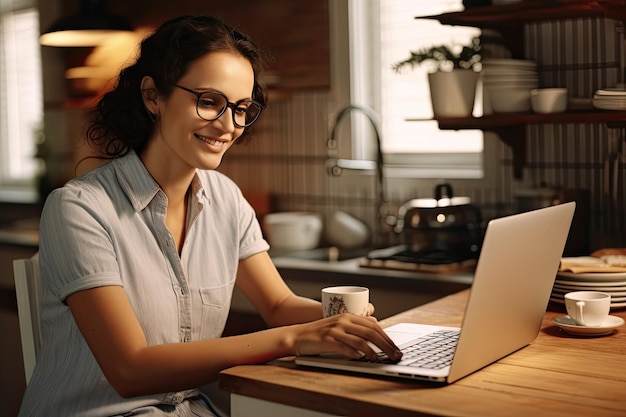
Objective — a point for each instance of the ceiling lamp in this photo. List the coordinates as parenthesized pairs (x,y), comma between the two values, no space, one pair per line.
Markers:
(87,28)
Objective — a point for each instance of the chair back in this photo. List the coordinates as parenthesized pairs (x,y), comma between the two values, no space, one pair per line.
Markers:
(28,292)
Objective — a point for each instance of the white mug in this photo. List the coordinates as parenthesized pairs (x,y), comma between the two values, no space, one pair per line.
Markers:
(588,308)
(345,299)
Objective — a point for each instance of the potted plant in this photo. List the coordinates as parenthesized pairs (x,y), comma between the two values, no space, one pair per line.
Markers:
(453,83)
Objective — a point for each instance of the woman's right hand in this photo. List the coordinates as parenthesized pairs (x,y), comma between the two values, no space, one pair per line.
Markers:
(346,334)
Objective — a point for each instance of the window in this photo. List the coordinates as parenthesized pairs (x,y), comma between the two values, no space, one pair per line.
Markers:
(382,32)
(21,102)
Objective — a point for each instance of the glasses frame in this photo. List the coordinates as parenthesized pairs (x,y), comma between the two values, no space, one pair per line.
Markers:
(230,104)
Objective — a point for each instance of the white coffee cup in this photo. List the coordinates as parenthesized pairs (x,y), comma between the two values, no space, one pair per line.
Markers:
(345,299)
(588,308)
(548,100)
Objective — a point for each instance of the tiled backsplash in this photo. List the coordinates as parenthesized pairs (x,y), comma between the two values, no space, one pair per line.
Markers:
(287,158)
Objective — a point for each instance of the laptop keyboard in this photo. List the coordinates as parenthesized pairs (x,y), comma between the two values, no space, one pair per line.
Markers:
(432,351)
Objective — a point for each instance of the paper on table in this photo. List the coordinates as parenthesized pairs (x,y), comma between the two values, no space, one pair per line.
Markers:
(584,264)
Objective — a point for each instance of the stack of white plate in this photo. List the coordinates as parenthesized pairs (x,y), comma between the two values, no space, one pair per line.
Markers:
(507,84)
(610,99)
(613,283)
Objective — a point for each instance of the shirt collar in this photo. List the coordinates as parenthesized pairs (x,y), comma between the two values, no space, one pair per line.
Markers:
(139,186)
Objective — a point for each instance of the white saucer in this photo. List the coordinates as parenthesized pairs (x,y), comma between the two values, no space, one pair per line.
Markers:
(619,92)
(603,277)
(615,298)
(568,325)
(613,284)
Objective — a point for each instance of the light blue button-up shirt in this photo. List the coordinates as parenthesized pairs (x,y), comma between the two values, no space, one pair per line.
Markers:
(108,228)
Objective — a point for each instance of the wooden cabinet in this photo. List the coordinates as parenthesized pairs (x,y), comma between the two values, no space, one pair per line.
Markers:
(509,20)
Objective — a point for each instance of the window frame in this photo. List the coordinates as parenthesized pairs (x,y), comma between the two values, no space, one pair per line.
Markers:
(12,189)
(348,66)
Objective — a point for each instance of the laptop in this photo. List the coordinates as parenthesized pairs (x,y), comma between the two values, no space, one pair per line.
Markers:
(509,295)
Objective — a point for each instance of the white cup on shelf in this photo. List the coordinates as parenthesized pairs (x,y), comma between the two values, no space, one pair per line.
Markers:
(548,100)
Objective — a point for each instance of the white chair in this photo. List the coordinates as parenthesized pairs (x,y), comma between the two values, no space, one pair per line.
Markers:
(28,293)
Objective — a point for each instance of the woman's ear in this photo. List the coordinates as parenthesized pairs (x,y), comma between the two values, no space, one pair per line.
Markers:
(149,95)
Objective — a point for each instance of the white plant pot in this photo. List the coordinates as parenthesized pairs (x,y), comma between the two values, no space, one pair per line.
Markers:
(453,93)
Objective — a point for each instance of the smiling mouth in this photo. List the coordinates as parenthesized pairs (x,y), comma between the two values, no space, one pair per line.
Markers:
(212,142)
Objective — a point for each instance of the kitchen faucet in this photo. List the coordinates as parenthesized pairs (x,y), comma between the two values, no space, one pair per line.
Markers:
(336,165)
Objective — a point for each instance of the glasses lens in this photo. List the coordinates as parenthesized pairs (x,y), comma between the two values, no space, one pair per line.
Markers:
(246,113)
(212,105)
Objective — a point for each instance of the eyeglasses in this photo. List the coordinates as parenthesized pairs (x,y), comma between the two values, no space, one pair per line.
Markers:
(211,105)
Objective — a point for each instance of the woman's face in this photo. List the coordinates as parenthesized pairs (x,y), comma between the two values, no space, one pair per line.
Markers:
(181,133)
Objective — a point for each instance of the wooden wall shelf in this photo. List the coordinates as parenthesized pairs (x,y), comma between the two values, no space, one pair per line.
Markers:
(509,20)
(511,127)
(497,121)
(531,11)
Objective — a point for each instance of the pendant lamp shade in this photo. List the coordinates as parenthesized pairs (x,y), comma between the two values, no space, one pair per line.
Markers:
(87,28)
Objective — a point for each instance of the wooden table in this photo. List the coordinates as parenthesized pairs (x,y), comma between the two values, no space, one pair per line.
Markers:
(557,375)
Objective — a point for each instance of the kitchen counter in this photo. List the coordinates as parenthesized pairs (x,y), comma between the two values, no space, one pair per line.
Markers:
(20,233)
(556,375)
(353,267)
(19,239)
(391,291)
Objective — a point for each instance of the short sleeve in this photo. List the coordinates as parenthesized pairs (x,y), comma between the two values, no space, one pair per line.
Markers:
(252,241)
(76,249)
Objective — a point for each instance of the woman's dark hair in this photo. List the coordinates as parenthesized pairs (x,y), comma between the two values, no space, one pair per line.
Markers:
(121,122)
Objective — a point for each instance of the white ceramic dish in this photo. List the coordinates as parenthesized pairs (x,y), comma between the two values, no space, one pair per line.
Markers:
(509,99)
(609,97)
(595,276)
(614,291)
(561,292)
(566,324)
(615,286)
(293,230)
(610,101)
(620,92)
(607,105)
(590,282)
(548,100)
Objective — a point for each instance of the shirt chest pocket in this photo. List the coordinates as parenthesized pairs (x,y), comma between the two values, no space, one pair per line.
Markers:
(215,297)
(215,304)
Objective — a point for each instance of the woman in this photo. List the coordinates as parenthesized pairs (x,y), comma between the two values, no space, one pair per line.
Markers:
(139,256)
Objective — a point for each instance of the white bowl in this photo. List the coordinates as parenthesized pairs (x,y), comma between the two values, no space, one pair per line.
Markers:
(548,100)
(509,99)
(293,230)
(345,231)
